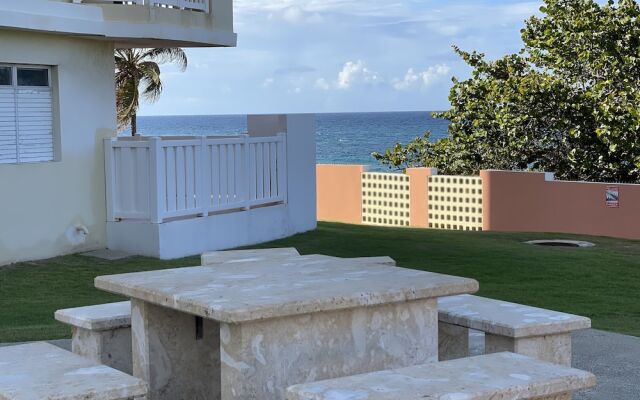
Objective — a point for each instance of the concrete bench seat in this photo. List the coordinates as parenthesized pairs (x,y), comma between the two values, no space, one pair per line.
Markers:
(312,258)
(526,330)
(38,371)
(101,333)
(494,376)
(274,255)
(238,256)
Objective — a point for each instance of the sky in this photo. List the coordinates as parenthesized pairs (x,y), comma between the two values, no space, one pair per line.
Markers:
(341,56)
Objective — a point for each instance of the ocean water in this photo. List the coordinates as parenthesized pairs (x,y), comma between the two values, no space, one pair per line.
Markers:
(345,138)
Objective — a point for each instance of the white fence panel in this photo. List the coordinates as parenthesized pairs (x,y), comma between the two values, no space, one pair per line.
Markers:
(157,178)
(227,174)
(180,168)
(267,165)
(128,173)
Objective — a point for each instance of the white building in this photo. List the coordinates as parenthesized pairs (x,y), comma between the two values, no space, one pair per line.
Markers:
(57,107)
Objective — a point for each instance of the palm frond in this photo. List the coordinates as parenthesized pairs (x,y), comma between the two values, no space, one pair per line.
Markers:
(173,55)
(150,79)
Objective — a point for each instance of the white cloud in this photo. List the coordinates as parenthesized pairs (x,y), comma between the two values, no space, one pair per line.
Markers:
(421,79)
(322,84)
(356,72)
(267,83)
(297,15)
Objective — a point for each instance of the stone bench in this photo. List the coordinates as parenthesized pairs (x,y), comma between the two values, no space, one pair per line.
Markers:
(526,330)
(101,333)
(238,256)
(39,371)
(312,258)
(272,255)
(494,376)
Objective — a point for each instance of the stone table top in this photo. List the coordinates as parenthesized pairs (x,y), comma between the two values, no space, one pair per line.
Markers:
(39,371)
(507,319)
(100,317)
(241,292)
(494,376)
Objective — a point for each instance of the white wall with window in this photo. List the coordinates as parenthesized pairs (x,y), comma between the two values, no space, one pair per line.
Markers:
(57,104)
(26,114)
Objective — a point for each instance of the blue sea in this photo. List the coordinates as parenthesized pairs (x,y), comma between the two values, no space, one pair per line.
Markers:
(345,138)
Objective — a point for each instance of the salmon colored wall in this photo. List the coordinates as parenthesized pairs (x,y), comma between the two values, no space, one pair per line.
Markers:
(418,186)
(339,191)
(521,201)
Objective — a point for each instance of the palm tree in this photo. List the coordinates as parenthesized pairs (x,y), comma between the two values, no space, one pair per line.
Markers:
(135,67)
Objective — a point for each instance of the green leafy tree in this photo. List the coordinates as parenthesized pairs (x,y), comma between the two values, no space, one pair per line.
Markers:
(136,68)
(569,102)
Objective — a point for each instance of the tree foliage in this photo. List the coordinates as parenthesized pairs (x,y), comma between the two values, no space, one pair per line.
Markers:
(569,102)
(136,67)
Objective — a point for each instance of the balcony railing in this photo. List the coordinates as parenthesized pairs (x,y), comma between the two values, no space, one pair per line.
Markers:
(196,5)
(156,179)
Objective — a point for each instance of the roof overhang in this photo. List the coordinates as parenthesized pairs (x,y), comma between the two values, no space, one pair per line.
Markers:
(98,22)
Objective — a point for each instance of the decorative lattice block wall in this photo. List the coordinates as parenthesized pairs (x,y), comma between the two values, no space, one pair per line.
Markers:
(455,202)
(385,199)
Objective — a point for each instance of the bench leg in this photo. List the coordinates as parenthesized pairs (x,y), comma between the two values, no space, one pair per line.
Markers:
(111,348)
(553,348)
(453,341)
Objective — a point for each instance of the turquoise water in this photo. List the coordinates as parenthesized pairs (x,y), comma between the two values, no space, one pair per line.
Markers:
(347,138)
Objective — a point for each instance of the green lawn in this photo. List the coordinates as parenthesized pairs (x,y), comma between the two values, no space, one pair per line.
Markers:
(602,282)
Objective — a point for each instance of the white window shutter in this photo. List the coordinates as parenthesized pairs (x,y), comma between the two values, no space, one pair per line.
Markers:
(8,144)
(35,124)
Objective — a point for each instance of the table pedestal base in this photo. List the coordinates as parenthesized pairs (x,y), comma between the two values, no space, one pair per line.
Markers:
(182,358)
(175,362)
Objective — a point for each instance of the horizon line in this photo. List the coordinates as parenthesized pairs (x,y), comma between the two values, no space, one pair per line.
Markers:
(266,113)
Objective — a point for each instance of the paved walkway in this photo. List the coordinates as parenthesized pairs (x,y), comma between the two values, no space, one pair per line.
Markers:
(613,358)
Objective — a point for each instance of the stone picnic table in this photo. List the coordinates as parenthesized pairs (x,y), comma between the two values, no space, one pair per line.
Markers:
(250,330)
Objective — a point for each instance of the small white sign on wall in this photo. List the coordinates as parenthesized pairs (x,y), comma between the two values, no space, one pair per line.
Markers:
(613,197)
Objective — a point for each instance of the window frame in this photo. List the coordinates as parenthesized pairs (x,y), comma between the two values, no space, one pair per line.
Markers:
(50,87)
(16,67)
(10,66)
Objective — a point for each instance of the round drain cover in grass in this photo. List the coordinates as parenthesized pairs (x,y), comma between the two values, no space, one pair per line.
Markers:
(561,243)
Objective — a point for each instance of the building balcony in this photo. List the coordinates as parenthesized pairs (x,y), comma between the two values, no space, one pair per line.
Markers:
(136,23)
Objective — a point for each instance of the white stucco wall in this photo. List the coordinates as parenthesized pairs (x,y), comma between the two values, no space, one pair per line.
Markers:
(41,204)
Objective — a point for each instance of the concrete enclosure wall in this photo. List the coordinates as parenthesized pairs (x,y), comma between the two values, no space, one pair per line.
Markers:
(46,207)
(350,194)
(494,201)
(527,202)
(339,193)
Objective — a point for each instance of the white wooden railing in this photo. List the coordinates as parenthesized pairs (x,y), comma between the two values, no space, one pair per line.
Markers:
(198,5)
(156,179)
